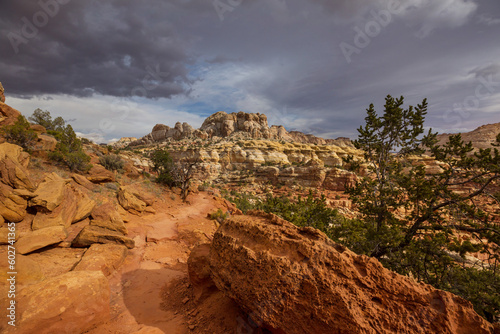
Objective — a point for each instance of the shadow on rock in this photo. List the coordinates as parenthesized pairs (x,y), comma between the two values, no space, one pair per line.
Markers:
(142,297)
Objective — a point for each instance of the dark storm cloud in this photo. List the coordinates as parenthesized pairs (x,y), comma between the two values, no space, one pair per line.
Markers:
(118,48)
(280,57)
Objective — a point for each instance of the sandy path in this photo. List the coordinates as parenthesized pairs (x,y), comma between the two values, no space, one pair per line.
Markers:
(163,243)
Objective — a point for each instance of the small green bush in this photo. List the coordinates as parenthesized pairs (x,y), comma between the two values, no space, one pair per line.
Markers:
(112,162)
(218,215)
(163,165)
(20,134)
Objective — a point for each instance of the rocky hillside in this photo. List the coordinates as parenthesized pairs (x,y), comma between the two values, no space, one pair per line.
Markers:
(241,148)
(239,125)
(482,137)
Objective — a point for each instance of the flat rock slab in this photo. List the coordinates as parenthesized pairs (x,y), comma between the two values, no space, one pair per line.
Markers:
(67,304)
(98,235)
(28,270)
(41,238)
(107,216)
(103,257)
(50,193)
(57,261)
(161,230)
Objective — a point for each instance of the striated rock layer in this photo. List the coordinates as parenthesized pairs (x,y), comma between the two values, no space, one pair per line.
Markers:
(296,280)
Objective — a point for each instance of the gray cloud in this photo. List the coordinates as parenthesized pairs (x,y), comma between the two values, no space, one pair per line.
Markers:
(110,48)
(280,57)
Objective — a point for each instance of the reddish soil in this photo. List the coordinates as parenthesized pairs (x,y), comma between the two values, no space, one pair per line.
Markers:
(151,291)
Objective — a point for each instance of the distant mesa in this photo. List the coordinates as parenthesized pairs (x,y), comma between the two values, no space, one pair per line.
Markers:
(238,125)
(482,137)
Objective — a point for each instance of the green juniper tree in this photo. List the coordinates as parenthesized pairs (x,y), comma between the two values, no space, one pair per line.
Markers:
(413,216)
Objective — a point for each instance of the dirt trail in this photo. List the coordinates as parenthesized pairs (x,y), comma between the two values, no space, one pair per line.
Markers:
(163,243)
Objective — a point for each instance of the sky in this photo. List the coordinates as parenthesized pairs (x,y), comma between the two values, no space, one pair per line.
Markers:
(116,68)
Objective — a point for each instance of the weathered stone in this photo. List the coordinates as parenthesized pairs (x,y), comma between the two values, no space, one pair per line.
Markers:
(28,270)
(129,202)
(13,167)
(135,189)
(50,193)
(62,215)
(24,193)
(337,179)
(98,235)
(84,206)
(39,129)
(104,257)
(83,181)
(56,261)
(5,234)
(41,238)
(45,143)
(296,280)
(12,206)
(70,303)
(2,95)
(106,216)
(99,174)
(8,115)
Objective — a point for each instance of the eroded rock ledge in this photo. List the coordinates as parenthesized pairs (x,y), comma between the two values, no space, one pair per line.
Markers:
(296,280)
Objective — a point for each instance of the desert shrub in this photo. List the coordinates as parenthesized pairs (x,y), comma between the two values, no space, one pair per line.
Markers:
(204,186)
(218,215)
(163,165)
(112,162)
(304,212)
(20,133)
(69,149)
(76,161)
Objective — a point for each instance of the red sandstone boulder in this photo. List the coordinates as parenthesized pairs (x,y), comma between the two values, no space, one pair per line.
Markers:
(296,280)
(70,303)
(13,167)
(99,174)
(8,115)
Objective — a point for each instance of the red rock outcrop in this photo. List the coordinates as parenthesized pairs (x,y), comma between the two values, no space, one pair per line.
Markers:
(8,115)
(2,96)
(296,280)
